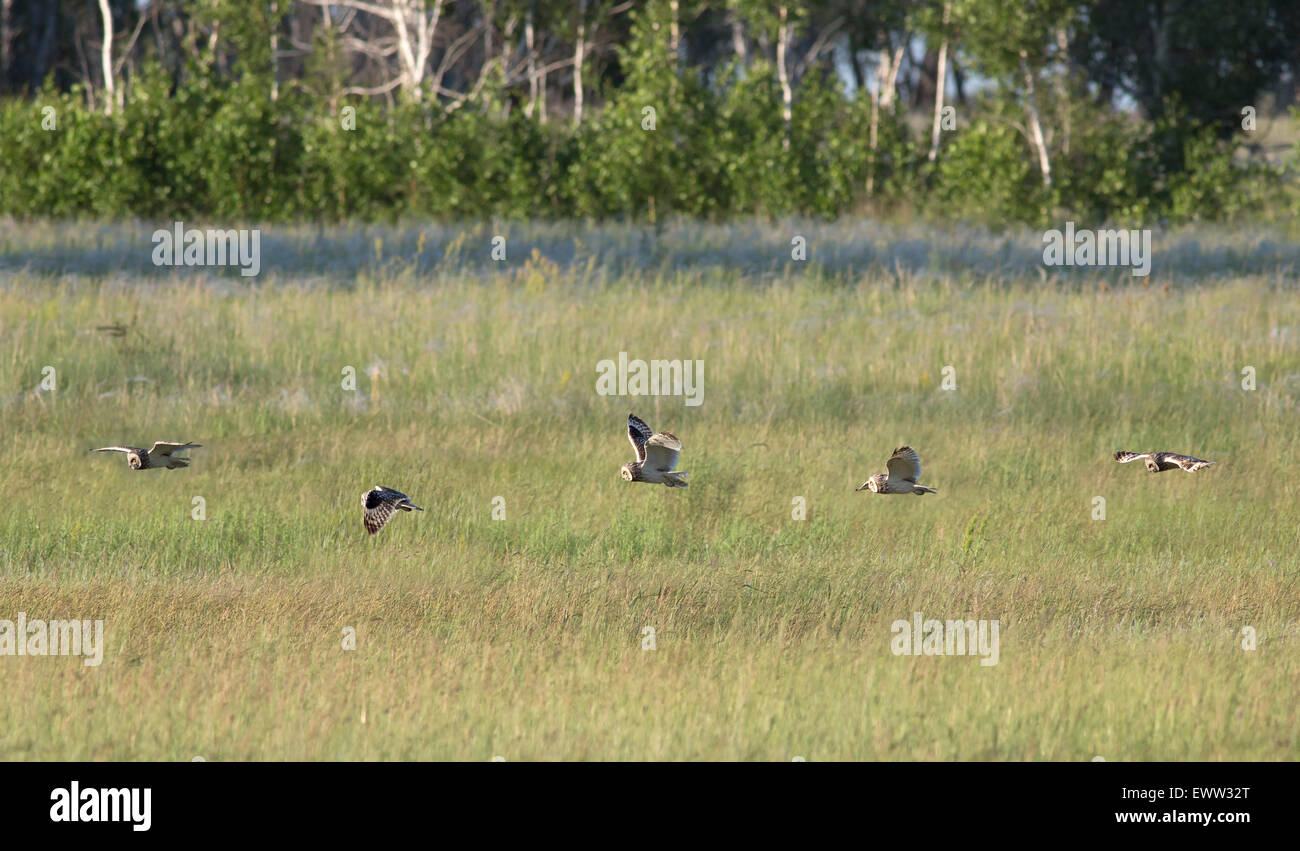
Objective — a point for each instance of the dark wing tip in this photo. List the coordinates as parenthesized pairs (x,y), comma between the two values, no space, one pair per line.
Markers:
(637,429)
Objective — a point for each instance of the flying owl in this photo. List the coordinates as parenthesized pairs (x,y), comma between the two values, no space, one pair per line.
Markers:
(904,471)
(380,503)
(656,455)
(1158,462)
(155,457)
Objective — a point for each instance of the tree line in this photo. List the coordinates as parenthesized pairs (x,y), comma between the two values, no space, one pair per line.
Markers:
(973,109)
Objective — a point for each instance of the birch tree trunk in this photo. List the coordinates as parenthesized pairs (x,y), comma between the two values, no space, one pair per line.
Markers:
(579,51)
(738,38)
(1035,125)
(674,43)
(940,88)
(882,98)
(1063,87)
(783,74)
(275,49)
(941,84)
(541,96)
(415,28)
(530,45)
(674,32)
(106,56)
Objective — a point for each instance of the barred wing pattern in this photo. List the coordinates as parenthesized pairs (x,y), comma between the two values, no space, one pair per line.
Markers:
(380,503)
(1159,462)
(904,475)
(157,457)
(656,456)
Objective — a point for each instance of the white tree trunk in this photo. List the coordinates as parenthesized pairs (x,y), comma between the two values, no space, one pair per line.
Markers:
(541,95)
(275,49)
(882,98)
(414,48)
(891,91)
(941,83)
(530,45)
(415,28)
(783,74)
(579,52)
(940,87)
(674,32)
(738,38)
(106,57)
(1035,125)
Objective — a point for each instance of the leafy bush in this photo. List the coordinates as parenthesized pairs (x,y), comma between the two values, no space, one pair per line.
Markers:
(986,173)
(214,148)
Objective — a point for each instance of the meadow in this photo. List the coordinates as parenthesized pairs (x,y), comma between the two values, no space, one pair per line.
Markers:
(522,635)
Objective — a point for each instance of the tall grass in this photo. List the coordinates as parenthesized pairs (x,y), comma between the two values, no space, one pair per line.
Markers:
(523,636)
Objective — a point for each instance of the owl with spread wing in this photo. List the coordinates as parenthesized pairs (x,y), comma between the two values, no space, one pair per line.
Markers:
(157,457)
(380,504)
(904,468)
(1158,462)
(656,456)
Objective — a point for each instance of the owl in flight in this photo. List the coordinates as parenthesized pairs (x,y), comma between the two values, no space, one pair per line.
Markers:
(155,457)
(904,471)
(380,503)
(656,456)
(1158,462)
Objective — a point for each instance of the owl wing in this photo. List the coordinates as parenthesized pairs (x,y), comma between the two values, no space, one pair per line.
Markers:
(661,452)
(904,464)
(379,506)
(639,434)
(165,447)
(1187,462)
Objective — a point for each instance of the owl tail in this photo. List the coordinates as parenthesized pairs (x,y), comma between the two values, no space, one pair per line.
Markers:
(920,490)
(676,480)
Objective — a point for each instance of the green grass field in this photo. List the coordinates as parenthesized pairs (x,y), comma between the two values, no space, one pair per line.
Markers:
(522,637)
